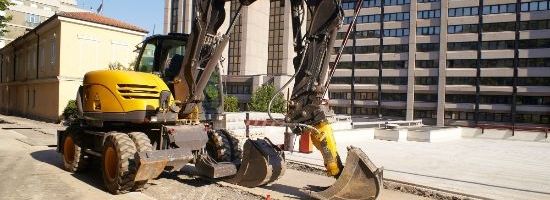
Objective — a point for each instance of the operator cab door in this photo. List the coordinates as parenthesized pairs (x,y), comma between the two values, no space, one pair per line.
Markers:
(163,56)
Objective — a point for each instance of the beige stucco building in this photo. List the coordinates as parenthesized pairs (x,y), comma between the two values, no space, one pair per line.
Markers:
(27,14)
(42,70)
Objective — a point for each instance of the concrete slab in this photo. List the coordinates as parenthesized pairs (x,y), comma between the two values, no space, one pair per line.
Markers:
(434,135)
(36,138)
(496,169)
(391,134)
(470,132)
(528,136)
(495,134)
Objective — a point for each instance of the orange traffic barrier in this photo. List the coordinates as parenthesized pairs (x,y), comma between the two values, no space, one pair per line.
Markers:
(306,145)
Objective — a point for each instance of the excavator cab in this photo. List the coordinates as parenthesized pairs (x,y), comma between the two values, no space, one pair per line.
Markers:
(162,55)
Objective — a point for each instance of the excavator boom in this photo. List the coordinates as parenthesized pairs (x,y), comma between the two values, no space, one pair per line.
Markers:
(262,162)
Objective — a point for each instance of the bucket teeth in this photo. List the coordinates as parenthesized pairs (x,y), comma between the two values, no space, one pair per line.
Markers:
(360,179)
(262,163)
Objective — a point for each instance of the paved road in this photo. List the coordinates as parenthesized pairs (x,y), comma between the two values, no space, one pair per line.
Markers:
(32,170)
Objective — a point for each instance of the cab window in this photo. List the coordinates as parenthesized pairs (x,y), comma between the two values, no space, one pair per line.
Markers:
(147,62)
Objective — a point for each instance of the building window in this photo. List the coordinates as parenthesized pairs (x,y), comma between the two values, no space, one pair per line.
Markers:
(394,80)
(500,8)
(463,28)
(499,27)
(235,42)
(534,25)
(430,30)
(400,64)
(431,80)
(427,64)
(464,11)
(535,6)
(534,43)
(238,88)
(32,20)
(402,16)
(427,1)
(428,14)
(53,51)
(276,32)
(427,47)
(425,97)
(534,62)
(425,114)
(174,16)
(533,100)
(394,97)
(461,80)
(393,112)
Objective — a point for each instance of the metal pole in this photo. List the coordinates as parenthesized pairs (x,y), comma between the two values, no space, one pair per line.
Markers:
(478,60)
(247,126)
(380,59)
(353,68)
(516,66)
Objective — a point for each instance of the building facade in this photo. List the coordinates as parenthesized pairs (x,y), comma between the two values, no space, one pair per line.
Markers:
(42,70)
(447,62)
(27,14)
(260,49)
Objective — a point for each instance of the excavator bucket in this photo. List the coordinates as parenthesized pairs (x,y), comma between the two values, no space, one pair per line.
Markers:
(262,163)
(360,179)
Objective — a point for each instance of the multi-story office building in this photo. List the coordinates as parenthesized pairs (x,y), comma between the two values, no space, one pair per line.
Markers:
(265,56)
(27,14)
(447,61)
(444,61)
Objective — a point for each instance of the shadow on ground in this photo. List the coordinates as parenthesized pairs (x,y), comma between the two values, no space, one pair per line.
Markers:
(91,175)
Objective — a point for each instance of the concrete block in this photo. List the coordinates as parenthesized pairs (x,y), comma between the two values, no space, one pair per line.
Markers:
(391,134)
(436,135)
(352,135)
(529,136)
(470,132)
(495,134)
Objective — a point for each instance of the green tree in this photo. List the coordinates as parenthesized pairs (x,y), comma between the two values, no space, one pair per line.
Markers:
(71,111)
(4,5)
(262,96)
(231,104)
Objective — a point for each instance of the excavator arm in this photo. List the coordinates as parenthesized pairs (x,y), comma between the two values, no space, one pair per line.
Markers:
(360,178)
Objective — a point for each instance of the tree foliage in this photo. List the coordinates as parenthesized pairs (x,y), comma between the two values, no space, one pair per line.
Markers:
(4,5)
(260,100)
(71,111)
(119,66)
(231,104)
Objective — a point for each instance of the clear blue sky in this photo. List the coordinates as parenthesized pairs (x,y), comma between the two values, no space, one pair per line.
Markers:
(143,13)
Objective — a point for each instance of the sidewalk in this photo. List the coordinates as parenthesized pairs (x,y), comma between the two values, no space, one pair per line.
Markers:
(496,169)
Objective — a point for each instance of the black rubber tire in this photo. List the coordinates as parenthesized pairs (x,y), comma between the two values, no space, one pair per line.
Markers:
(224,147)
(80,160)
(143,144)
(126,165)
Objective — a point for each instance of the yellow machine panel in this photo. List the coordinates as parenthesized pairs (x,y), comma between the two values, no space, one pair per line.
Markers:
(115,95)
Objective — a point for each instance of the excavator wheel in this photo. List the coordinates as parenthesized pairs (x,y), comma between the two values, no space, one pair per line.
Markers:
(224,147)
(143,144)
(74,158)
(118,164)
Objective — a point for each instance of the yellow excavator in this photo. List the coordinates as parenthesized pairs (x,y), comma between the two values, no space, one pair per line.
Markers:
(141,123)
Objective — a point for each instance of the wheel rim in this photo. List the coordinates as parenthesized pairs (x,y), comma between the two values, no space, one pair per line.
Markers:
(68,149)
(110,163)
